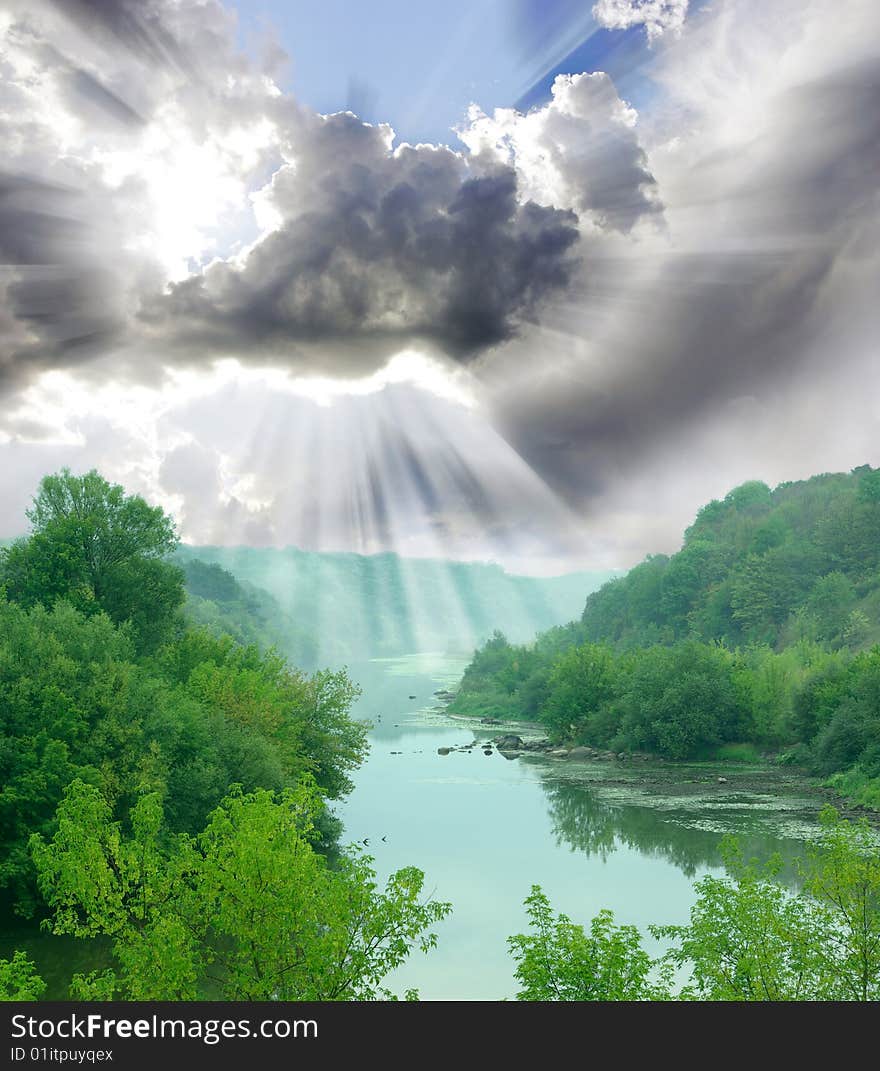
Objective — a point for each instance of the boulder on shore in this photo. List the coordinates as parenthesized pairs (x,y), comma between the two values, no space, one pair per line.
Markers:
(508,742)
(443,750)
(581,753)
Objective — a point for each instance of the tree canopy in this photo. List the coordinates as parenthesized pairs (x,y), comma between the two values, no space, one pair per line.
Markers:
(101,550)
(248,904)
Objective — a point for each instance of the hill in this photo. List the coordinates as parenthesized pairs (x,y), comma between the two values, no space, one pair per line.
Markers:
(328,608)
(762,634)
(759,566)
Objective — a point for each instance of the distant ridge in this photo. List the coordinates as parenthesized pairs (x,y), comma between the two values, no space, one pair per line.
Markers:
(343,606)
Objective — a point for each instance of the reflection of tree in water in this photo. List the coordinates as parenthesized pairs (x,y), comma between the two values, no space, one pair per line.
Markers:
(587,823)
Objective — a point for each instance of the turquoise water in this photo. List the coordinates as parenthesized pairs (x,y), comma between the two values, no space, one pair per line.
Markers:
(485,828)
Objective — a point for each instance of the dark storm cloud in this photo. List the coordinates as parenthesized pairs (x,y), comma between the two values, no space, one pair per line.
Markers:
(374,244)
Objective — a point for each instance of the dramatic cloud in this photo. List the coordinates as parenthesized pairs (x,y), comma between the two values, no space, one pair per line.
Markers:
(657,16)
(580,151)
(375,243)
(372,247)
(204,213)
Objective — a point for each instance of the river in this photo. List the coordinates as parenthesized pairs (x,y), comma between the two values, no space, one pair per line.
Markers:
(485,828)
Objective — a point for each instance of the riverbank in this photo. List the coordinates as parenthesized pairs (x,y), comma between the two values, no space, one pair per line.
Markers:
(658,776)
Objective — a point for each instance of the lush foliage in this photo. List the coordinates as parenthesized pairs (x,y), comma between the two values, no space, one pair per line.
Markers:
(247,905)
(100,550)
(748,939)
(559,960)
(758,632)
(19,979)
(101,681)
(200,714)
(760,566)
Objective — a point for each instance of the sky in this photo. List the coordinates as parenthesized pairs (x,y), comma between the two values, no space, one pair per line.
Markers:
(527,281)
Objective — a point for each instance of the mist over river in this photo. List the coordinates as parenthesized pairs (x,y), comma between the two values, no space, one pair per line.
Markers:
(484,829)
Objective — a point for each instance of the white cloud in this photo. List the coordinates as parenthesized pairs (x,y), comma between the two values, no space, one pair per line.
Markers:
(657,16)
(579,151)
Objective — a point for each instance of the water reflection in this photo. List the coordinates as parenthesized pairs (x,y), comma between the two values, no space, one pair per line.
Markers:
(586,820)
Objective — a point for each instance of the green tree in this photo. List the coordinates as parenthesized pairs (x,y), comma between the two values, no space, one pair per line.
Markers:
(64,713)
(582,684)
(305,717)
(111,528)
(99,549)
(146,593)
(129,889)
(842,871)
(19,979)
(869,485)
(767,684)
(831,601)
(753,497)
(748,939)
(188,722)
(249,902)
(288,926)
(559,960)
(45,568)
(682,700)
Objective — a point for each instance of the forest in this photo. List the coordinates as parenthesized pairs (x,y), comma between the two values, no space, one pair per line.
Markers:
(759,637)
(167,788)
